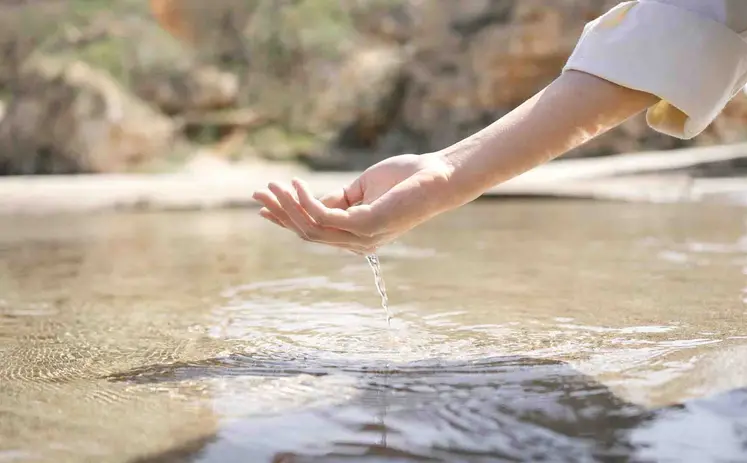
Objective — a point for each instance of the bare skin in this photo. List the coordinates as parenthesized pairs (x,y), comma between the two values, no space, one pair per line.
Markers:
(400,193)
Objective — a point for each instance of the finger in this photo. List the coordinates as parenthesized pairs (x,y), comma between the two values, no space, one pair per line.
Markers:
(266,214)
(310,229)
(352,220)
(270,202)
(301,221)
(313,231)
(344,197)
(357,250)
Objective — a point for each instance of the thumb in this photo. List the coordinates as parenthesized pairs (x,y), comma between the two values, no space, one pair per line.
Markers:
(341,198)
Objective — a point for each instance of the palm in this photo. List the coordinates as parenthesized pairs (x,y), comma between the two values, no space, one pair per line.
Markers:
(382,203)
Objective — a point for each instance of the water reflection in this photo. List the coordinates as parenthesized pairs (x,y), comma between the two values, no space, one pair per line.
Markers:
(493,409)
(512,408)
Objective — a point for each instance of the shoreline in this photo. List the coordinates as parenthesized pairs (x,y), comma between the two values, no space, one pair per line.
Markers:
(654,177)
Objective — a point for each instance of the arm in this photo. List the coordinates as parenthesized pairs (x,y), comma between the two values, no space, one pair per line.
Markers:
(401,192)
(681,59)
(572,110)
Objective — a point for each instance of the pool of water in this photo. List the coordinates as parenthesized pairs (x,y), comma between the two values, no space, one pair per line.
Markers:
(522,331)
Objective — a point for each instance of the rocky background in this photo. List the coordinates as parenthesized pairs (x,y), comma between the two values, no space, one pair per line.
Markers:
(153,85)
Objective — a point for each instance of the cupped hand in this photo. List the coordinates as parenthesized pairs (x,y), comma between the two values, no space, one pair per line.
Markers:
(388,199)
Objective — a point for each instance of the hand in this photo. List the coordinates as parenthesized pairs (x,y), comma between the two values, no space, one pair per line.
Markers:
(387,200)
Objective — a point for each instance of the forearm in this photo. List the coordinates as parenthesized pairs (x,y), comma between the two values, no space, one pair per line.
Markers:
(572,110)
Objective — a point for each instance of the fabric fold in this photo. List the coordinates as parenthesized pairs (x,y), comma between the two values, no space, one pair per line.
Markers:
(694,64)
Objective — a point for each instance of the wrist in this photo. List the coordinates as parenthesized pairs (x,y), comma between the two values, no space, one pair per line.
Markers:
(467,175)
(450,184)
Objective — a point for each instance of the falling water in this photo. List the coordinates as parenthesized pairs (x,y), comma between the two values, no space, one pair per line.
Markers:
(373,261)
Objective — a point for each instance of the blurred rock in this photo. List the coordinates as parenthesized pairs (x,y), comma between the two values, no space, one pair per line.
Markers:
(343,84)
(182,90)
(472,61)
(479,59)
(730,126)
(389,21)
(66,117)
(24,25)
(469,63)
(363,99)
(462,66)
(217,25)
(359,107)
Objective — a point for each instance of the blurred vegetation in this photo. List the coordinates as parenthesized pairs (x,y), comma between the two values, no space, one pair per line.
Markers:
(323,81)
(270,46)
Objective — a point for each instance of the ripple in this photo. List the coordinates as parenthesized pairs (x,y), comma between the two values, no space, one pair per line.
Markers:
(15,455)
(291,285)
(625,330)
(161,336)
(274,364)
(509,407)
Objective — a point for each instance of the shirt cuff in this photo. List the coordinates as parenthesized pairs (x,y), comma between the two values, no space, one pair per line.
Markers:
(693,64)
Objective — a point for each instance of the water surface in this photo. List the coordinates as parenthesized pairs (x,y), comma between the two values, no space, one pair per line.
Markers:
(522,331)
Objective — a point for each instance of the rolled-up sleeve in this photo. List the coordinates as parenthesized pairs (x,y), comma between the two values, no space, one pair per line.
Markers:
(691,54)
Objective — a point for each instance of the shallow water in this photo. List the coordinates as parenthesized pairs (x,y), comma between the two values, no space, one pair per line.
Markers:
(522,331)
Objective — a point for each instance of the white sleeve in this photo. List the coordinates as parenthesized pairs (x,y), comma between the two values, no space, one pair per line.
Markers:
(692,54)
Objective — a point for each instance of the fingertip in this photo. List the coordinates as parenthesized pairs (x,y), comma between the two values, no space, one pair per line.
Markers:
(299,185)
(277,186)
(278,190)
(304,195)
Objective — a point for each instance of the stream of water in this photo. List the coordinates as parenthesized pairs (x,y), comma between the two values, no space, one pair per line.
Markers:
(373,261)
